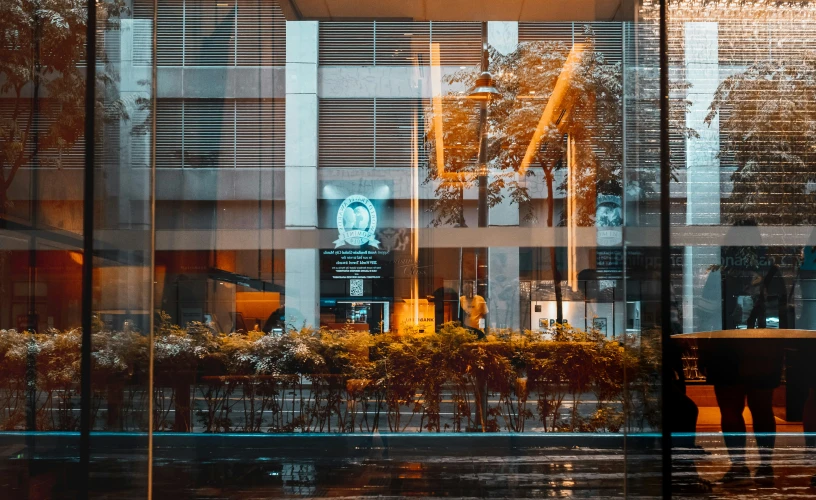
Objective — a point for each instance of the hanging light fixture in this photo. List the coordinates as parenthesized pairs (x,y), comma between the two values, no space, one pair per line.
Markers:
(484,88)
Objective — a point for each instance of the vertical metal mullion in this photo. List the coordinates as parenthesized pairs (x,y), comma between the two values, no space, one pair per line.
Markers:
(183,133)
(624,151)
(152,272)
(31,319)
(183,35)
(87,251)
(235,133)
(374,133)
(624,268)
(665,252)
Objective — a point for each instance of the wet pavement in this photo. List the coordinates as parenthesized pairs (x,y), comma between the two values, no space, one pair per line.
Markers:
(793,467)
(388,466)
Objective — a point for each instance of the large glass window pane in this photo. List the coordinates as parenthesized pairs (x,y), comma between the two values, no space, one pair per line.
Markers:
(42,120)
(742,84)
(358,252)
(123,253)
(362,235)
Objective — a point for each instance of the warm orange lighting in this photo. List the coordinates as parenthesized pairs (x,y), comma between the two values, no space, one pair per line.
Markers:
(556,98)
(572,205)
(436,102)
(76,257)
(415,218)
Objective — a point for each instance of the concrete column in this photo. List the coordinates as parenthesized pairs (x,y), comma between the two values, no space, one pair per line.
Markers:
(503,36)
(129,180)
(503,293)
(702,178)
(125,180)
(302,280)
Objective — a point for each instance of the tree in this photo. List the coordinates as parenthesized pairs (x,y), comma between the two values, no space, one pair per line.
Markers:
(768,122)
(42,47)
(589,117)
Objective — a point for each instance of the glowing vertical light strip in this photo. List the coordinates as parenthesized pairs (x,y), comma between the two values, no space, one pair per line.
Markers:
(572,256)
(568,209)
(436,103)
(415,218)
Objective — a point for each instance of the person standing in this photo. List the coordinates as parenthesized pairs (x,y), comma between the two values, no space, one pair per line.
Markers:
(751,290)
(474,310)
(803,297)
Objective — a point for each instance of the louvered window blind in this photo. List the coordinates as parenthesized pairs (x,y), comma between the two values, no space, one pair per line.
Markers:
(220,133)
(209,33)
(107,44)
(346,133)
(142,41)
(43,131)
(370,132)
(608,36)
(379,43)
(745,41)
(641,91)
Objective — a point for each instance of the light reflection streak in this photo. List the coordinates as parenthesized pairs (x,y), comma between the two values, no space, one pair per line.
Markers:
(436,102)
(548,116)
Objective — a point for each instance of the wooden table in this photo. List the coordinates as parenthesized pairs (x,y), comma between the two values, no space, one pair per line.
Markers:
(798,344)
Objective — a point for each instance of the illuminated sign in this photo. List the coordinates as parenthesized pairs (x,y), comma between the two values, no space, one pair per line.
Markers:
(356,222)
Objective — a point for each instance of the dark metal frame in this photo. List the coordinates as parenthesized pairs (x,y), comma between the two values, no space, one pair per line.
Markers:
(665,253)
(87,250)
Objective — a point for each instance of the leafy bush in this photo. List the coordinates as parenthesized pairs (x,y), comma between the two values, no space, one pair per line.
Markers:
(335,380)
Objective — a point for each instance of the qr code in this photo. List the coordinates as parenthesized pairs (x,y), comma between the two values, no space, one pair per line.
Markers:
(356,288)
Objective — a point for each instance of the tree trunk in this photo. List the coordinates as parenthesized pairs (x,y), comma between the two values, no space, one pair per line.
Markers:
(182,421)
(461,205)
(559,302)
(116,397)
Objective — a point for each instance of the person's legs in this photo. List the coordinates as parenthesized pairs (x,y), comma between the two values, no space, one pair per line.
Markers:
(731,400)
(684,414)
(760,402)
(683,421)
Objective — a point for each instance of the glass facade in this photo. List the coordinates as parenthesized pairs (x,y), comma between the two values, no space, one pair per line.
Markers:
(355,250)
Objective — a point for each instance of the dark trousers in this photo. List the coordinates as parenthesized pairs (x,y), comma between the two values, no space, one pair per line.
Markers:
(731,400)
(683,419)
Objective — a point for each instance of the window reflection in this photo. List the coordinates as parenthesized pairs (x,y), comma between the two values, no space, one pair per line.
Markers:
(740,267)
(321,264)
(407,227)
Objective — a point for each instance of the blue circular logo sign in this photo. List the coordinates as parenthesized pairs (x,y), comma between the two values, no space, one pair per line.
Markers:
(356,222)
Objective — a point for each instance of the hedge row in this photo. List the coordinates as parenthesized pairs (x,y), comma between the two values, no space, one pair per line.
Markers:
(333,381)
